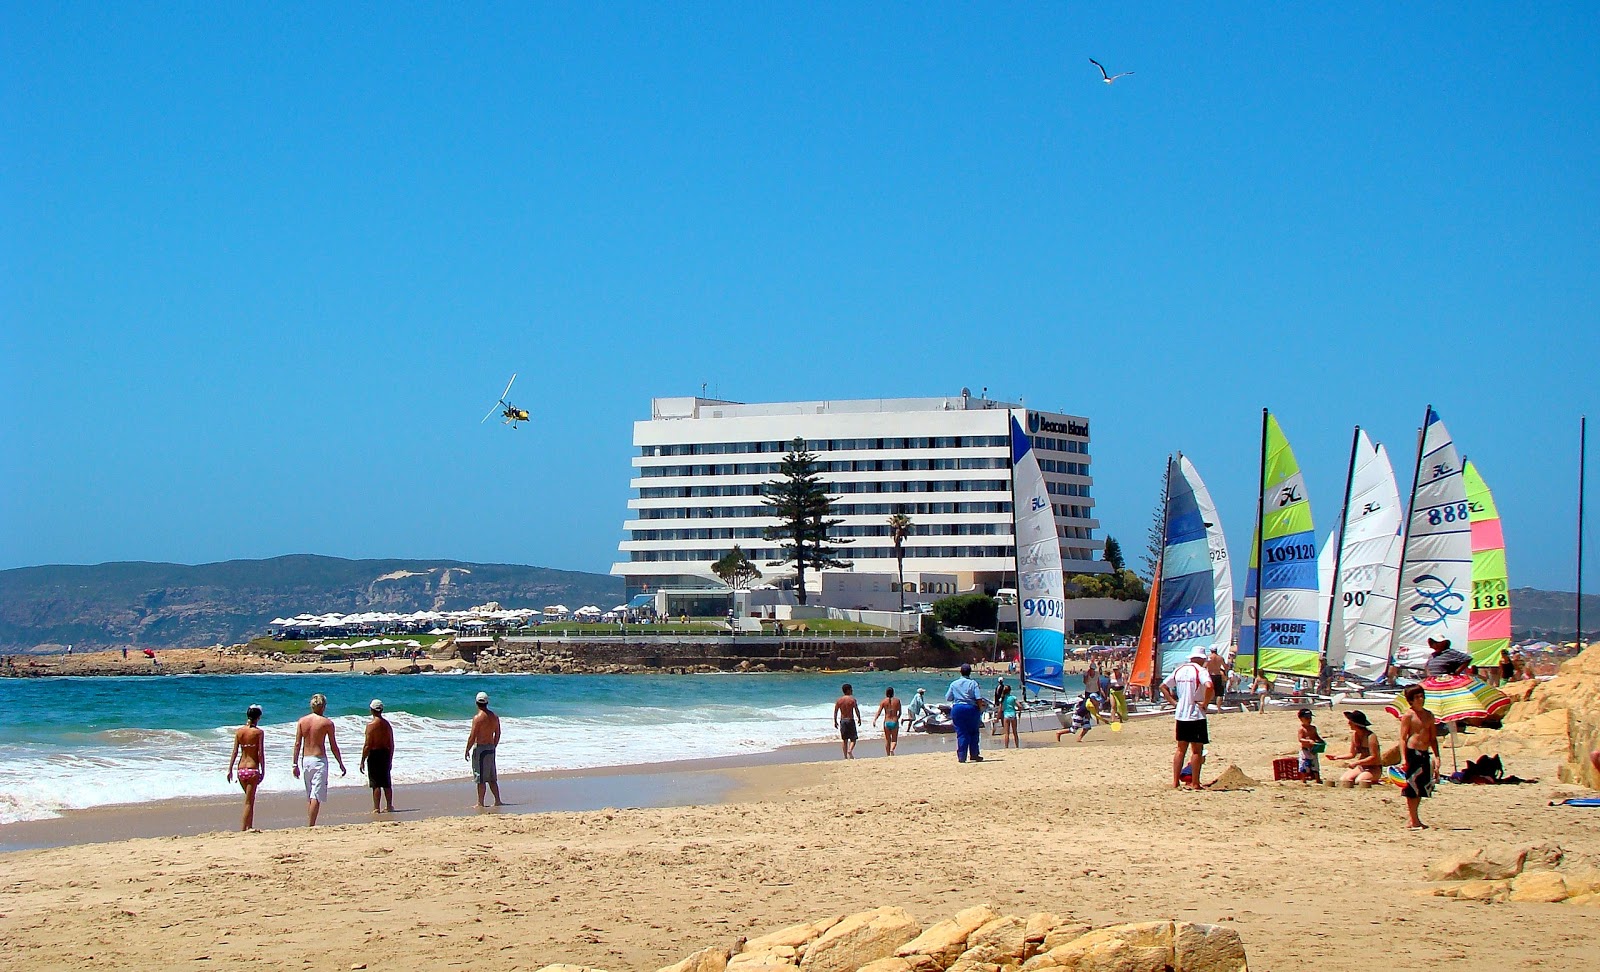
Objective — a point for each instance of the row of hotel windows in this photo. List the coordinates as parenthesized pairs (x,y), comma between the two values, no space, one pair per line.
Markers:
(1067,489)
(862,530)
(930,486)
(762,554)
(1070,468)
(857,445)
(843,465)
(850,509)
(865,553)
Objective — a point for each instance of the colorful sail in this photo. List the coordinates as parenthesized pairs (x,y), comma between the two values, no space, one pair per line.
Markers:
(1244,659)
(1144,657)
(1041,608)
(1436,566)
(1288,628)
(1489,627)
(1358,639)
(1188,596)
(1221,566)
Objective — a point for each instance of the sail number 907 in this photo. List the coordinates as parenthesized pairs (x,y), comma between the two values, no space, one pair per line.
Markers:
(1044,607)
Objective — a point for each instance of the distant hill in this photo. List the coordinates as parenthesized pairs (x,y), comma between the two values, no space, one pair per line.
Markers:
(172,605)
(1551,614)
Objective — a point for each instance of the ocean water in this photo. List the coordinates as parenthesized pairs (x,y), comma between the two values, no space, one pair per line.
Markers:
(73,743)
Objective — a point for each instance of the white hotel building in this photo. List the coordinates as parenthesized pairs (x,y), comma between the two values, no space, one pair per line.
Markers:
(944,462)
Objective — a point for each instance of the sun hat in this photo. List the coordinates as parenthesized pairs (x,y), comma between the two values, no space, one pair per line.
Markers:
(1358,717)
(376,705)
(1438,643)
(483,697)
(1197,654)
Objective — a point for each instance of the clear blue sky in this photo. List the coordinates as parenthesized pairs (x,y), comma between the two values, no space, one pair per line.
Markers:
(262,273)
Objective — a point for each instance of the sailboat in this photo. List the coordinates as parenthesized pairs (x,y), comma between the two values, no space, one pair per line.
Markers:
(1436,565)
(1288,638)
(1358,567)
(1188,590)
(1041,607)
(1489,624)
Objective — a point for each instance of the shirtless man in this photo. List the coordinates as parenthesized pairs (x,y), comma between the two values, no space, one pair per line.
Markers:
(1218,670)
(251,756)
(377,756)
(889,711)
(481,743)
(313,738)
(1419,734)
(846,715)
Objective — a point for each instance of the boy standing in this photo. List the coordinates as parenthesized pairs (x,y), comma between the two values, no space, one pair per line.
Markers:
(1419,734)
(1311,743)
(846,714)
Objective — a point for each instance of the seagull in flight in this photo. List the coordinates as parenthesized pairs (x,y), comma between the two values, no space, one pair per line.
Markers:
(1108,77)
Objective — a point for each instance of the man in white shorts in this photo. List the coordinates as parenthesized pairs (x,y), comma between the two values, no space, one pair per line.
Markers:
(313,738)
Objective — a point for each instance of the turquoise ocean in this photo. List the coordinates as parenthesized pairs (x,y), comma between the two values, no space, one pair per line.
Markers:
(74,743)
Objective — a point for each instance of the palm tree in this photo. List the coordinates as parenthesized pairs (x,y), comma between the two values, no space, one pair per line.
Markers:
(899,529)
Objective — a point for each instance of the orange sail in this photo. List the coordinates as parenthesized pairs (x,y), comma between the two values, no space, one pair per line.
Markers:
(1144,660)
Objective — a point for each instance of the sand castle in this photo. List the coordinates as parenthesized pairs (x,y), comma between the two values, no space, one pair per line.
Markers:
(975,940)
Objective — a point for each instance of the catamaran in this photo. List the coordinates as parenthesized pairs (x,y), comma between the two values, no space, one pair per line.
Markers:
(1041,606)
(1358,570)
(1489,625)
(1285,636)
(1436,564)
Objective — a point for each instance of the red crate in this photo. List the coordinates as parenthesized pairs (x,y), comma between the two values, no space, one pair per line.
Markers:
(1287,768)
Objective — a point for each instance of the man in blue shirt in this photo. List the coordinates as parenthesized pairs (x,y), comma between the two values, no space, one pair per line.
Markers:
(966,713)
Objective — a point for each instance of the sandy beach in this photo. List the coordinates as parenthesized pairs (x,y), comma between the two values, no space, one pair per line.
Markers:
(1312,878)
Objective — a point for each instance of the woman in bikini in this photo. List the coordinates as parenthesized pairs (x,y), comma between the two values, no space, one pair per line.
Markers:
(1365,758)
(251,756)
(889,712)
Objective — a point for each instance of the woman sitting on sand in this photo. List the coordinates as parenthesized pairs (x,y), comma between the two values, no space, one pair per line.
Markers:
(1365,758)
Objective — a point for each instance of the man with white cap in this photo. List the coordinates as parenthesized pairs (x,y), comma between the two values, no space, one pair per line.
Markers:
(1189,687)
(481,743)
(377,756)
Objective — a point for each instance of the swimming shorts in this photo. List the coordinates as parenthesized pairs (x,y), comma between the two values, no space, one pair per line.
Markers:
(314,774)
(1308,762)
(483,767)
(249,774)
(1192,731)
(1419,774)
(378,763)
(891,725)
(847,730)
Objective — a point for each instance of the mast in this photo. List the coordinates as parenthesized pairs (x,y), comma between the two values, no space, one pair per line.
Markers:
(1016,556)
(1157,675)
(1405,537)
(1260,557)
(1583,446)
(1338,559)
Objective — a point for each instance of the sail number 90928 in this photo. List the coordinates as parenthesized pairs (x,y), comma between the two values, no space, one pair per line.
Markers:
(1043,607)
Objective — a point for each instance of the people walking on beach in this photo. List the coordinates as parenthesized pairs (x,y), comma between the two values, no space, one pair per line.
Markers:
(1311,744)
(889,710)
(966,714)
(1189,687)
(251,756)
(1119,695)
(1419,737)
(1365,757)
(313,740)
(377,756)
(1218,670)
(481,743)
(1008,720)
(846,715)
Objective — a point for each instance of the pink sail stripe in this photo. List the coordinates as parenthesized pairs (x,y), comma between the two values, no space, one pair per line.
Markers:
(1487,535)
(1488,625)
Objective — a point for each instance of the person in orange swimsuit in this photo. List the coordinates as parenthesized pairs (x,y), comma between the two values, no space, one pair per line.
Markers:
(251,756)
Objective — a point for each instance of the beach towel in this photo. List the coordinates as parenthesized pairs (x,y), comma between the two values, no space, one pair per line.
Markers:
(1578,802)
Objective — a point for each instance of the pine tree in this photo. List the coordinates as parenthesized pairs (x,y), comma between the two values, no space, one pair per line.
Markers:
(1113,554)
(735,569)
(800,503)
(1155,540)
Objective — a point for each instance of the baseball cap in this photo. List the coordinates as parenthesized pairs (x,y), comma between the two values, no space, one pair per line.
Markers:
(376,705)
(483,697)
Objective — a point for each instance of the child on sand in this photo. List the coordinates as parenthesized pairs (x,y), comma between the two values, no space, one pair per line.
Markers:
(1420,738)
(1311,745)
(1082,719)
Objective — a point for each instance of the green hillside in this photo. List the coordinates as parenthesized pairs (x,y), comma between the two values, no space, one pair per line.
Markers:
(173,605)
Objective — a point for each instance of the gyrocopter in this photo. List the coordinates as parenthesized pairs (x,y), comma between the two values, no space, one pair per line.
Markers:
(509,413)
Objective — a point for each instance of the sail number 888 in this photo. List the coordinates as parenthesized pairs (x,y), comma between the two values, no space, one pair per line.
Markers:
(1448,514)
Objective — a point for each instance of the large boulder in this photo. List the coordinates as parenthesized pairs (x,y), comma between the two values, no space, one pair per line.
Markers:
(944,941)
(1001,941)
(1493,863)
(1207,948)
(1145,946)
(1538,886)
(1483,890)
(795,936)
(858,940)
(705,960)
(776,957)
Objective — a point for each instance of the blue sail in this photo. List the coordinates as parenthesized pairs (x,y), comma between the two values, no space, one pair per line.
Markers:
(1188,617)
(1041,606)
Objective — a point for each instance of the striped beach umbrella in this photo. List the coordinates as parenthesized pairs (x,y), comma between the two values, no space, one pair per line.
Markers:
(1452,698)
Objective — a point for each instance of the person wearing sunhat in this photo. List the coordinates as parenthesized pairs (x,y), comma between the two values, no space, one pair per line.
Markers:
(1189,688)
(1365,758)
(1446,661)
(377,756)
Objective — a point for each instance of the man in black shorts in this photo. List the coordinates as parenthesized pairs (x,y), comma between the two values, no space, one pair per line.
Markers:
(846,714)
(1189,687)
(377,756)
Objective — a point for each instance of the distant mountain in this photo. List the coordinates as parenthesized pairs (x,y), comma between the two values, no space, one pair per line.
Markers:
(1551,614)
(172,605)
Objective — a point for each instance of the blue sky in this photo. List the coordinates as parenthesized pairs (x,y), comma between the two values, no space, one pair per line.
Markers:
(261,273)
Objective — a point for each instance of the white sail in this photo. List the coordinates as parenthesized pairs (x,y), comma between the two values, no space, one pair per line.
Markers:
(1041,609)
(1435,589)
(1221,567)
(1371,523)
(1366,655)
(1328,590)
